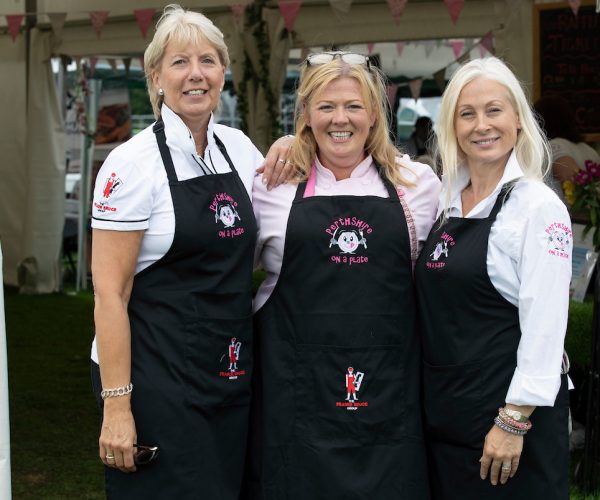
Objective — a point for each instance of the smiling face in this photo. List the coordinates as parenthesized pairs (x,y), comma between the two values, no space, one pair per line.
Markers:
(227,216)
(340,123)
(191,77)
(348,241)
(486,123)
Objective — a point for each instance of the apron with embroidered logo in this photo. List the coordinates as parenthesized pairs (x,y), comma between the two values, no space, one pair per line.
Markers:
(336,410)
(191,334)
(470,338)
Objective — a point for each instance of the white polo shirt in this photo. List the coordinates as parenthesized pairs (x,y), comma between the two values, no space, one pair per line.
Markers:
(532,271)
(132,190)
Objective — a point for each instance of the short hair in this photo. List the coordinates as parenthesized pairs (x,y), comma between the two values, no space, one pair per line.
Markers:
(532,149)
(313,80)
(181,27)
(557,118)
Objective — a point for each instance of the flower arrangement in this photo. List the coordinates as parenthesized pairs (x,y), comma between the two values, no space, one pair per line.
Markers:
(583,193)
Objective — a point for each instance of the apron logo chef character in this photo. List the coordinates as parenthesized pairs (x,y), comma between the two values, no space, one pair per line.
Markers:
(353,383)
(348,234)
(112,184)
(559,238)
(441,249)
(223,206)
(233,352)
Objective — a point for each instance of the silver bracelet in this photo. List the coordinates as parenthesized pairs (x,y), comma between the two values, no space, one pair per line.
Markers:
(509,428)
(117,391)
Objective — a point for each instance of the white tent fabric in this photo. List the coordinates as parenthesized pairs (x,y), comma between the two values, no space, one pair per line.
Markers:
(5,486)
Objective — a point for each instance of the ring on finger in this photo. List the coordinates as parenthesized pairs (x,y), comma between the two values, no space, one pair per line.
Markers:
(281,160)
(506,467)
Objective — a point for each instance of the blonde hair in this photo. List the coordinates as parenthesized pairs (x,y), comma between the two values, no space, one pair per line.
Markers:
(313,80)
(181,27)
(532,149)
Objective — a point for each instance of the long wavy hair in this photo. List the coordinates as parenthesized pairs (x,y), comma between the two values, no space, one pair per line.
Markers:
(532,148)
(313,80)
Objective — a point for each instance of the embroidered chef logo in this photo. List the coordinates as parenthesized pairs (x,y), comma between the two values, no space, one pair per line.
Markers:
(440,252)
(354,380)
(111,186)
(233,355)
(226,216)
(348,237)
(559,239)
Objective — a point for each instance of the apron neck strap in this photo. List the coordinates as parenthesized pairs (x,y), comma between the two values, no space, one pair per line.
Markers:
(161,139)
(503,195)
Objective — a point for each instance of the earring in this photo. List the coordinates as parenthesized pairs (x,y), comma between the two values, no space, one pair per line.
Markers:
(161,92)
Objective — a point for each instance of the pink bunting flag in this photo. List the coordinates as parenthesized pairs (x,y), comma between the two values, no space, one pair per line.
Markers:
(93,62)
(98,18)
(487,42)
(575,4)
(457,46)
(397,9)
(57,21)
(289,10)
(370,47)
(391,91)
(144,19)
(237,11)
(341,6)
(14,24)
(454,8)
(415,88)
(400,48)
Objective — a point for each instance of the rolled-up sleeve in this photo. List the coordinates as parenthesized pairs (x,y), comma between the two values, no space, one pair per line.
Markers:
(544,269)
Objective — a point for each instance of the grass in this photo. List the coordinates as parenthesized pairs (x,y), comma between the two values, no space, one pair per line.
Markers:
(53,414)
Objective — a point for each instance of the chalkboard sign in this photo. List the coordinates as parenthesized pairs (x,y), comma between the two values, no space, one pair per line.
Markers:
(567,60)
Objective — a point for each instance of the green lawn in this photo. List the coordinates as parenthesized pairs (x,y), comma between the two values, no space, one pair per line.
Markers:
(54,418)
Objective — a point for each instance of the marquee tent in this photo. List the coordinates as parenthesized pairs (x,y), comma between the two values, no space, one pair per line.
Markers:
(32,140)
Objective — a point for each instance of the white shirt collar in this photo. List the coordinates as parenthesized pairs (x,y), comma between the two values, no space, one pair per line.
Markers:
(362,171)
(512,171)
(179,135)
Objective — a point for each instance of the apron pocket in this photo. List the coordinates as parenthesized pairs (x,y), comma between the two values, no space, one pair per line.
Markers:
(218,356)
(453,402)
(349,395)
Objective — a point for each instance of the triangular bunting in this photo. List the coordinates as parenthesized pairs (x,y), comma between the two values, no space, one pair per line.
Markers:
(370,47)
(289,10)
(127,64)
(98,18)
(487,42)
(415,88)
(440,79)
(341,6)
(397,9)
(144,19)
(457,46)
(482,51)
(57,21)
(93,62)
(14,24)
(238,12)
(400,48)
(392,90)
(428,45)
(141,59)
(575,4)
(113,66)
(454,8)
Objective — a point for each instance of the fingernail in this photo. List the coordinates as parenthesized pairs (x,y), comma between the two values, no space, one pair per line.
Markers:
(269,187)
(264,181)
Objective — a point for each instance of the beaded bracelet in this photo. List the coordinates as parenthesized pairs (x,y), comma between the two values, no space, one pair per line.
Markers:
(508,420)
(508,428)
(117,391)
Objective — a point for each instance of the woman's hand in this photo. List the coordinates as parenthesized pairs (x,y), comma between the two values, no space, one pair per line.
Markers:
(501,455)
(118,434)
(276,169)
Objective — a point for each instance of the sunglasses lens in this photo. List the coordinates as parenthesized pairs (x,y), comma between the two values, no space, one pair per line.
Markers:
(323,58)
(145,455)
(354,59)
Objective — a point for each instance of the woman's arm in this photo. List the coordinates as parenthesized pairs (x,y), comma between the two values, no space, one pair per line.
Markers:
(276,169)
(114,257)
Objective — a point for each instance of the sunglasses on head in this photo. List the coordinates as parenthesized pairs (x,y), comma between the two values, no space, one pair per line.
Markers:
(347,57)
(144,454)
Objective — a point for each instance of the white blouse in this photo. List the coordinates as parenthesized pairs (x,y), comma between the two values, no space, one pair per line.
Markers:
(529,263)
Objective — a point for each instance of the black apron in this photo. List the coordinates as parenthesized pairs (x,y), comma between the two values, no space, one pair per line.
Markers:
(336,411)
(470,339)
(191,334)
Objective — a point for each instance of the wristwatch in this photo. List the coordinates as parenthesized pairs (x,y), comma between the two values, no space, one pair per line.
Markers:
(516,415)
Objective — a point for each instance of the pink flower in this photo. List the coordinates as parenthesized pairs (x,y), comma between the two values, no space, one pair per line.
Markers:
(582,178)
(593,168)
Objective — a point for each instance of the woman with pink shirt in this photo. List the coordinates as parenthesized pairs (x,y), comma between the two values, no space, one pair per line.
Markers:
(338,246)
